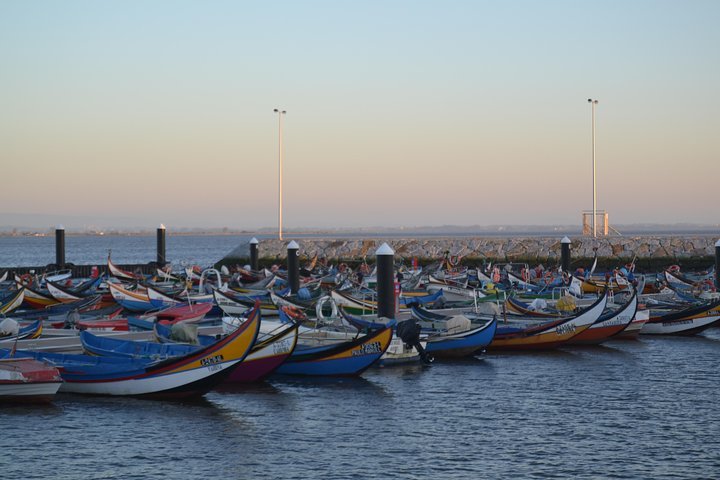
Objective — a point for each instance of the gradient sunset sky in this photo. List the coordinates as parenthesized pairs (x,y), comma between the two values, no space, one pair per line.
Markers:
(400,113)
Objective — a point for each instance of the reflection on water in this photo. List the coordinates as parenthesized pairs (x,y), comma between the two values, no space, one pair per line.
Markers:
(619,410)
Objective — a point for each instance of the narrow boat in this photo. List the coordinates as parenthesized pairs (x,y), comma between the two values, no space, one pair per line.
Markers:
(188,376)
(444,336)
(320,355)
(632,331)
(11,301)
(24,380)
(29,331)
(133,300)
(609,324)
(193,313)
(687,321)
(118,272)
(525,335)
(69,294)
(35,298)
(237,304)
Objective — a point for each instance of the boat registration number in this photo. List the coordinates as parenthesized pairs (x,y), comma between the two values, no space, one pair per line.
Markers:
(565,329)
(283,346)
(367,349)
(212,363)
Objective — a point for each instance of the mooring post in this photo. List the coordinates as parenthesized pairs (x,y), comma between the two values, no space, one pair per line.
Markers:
(385,281)
(717,264)
(60,246)
(254,254)
(161,259)
(565,254)
(293,266)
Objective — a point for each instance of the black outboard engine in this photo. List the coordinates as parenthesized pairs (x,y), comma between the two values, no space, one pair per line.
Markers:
(409,332)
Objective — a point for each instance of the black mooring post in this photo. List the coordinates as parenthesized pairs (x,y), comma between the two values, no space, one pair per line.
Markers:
(161,258)
(717,264)
(293,266)
(254,254)
(565,254)
(385,257)
(60,246)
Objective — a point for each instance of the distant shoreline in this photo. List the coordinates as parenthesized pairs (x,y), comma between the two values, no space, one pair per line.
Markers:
(419,232)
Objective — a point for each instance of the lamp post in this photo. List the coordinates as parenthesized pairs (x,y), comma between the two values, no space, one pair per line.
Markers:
(280,113)
(594,212)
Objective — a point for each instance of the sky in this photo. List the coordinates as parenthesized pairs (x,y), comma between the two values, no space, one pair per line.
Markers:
(399,113)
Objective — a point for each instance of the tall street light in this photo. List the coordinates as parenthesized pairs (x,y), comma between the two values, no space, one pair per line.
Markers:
(592,105)
(280,113)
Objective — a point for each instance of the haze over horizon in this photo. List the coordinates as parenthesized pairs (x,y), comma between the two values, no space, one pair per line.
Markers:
(400,113)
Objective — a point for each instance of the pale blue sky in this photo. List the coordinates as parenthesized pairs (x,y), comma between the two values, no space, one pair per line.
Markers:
(399,113)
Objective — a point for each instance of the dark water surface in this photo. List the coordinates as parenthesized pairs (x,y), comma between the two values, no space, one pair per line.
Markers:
(630,409)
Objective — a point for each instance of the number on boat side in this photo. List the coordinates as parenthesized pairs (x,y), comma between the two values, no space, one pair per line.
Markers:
(283,346)
(563,329)
(367,349)
(212,363)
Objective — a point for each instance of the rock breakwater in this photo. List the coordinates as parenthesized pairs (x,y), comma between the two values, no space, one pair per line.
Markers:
(530,249)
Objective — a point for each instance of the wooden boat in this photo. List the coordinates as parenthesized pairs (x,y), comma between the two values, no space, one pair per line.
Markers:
(272,348)
(118,272)
(632,331)
(233,304)
(319,354)
(360,306)
(609,324)
(180,313)
(31,330)
(11,301)
(597,286)
(687,321)
(444,336)
(133,300)
(551,333)
(24,380)
(35,298)
(160,299)
(63,293)
(187,376)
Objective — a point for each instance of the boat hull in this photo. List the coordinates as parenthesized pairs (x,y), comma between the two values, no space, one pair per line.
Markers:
(343,359)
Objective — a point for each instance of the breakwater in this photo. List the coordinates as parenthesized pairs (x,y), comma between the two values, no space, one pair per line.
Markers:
(650,250)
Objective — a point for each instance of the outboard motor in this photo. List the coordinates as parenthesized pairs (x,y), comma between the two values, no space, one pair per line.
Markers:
(409,332)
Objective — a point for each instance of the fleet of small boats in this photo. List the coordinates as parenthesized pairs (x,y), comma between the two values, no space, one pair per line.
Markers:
(180,334)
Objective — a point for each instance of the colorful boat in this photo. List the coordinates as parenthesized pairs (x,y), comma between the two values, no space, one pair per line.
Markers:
(24,380)
(118,272)
(31,330)
(37,299)
(11,301)
(528,335)
(609,324)
(632,331)
(187,376)
(133,300)
(272,348)
(443,336)
(687,321)
(322,356)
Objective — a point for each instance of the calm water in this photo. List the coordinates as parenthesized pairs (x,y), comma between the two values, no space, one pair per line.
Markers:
(201,250)
(629,409)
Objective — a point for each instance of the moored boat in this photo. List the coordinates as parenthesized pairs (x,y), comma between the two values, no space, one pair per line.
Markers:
(687,321)
(25,380)
(609,324)
(525,335)
(187,376)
